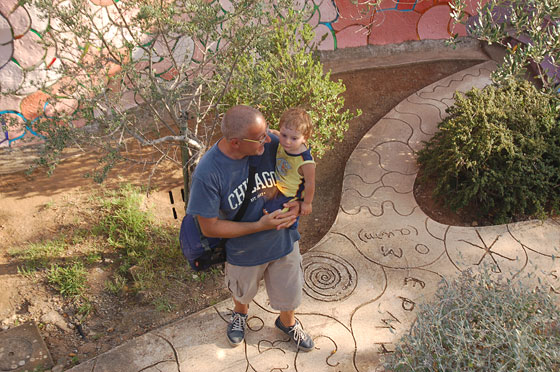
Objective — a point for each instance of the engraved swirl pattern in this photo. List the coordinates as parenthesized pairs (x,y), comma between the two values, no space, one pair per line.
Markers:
(328,277)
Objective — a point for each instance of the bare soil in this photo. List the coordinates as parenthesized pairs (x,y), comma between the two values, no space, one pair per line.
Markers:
(35,208)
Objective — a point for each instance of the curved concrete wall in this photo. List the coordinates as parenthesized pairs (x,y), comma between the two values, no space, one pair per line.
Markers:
(346,24)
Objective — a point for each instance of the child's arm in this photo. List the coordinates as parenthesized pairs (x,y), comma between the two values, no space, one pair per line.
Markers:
(308,171)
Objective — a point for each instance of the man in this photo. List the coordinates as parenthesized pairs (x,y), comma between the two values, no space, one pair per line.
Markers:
(259,246)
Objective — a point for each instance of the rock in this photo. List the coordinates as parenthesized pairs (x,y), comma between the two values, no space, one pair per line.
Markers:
(4,322)
(55,318)
(89,348)
(58,368)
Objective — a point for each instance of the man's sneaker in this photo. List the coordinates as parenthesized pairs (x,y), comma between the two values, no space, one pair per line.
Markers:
(236,328)
(297,334)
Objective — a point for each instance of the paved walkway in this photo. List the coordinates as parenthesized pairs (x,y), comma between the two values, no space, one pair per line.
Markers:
(364,280)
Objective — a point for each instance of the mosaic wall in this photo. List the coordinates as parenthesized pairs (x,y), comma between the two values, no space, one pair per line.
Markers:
(25,64)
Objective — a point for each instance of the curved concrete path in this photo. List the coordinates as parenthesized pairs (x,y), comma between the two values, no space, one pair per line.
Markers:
(382,257)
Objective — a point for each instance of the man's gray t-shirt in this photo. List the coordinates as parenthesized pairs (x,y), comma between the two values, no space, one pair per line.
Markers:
(218,189)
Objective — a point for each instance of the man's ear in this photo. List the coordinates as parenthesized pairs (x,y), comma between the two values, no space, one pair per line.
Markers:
(234,142)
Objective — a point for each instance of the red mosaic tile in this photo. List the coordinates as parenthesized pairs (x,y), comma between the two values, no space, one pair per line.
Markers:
(351,14)
(14,124)
(352,36)
(7,7)
(434,23)
(65,105)
(423,5)
(457,28)
(32,105)
(328,11)
(19,21)
(28,50)
(389,4)
(394,27)
(474,5)
(12,134)
(406,5)
(314,19)
(327,43)
(162,67)
(102,2)
(170,74)
(79,123)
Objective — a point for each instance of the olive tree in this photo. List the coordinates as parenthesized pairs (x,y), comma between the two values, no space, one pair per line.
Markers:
(529,30)
(146,80)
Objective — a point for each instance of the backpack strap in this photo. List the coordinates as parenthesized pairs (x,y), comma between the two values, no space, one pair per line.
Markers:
(250,185)
(238,216)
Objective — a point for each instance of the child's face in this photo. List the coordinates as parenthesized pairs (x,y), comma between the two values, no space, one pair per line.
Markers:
(291,139)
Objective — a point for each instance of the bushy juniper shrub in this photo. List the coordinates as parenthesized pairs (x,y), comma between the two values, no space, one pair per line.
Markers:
(477,323)
(498,153)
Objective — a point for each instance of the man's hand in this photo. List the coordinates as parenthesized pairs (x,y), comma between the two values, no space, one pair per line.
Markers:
(289,214)
(277,219)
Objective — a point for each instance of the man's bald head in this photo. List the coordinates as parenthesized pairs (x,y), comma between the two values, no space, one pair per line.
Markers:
(238,119)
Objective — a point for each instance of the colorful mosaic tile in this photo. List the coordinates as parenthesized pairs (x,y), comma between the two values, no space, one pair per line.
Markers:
(25,65)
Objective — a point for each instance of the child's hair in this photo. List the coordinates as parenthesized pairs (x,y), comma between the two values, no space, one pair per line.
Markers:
(297,119)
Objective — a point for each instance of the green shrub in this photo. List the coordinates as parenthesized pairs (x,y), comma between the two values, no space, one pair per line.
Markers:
(124,222)
(37,255)
(149,254)
(498,153)
(69,280)
(283,73)
(480,324)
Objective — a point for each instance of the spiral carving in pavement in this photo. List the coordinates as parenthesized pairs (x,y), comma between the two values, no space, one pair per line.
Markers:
(328,277)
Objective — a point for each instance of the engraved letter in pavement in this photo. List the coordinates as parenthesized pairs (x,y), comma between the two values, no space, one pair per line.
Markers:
(414,281)
(399,244)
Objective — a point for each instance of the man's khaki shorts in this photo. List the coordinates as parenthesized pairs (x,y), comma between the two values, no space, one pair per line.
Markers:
(283,279)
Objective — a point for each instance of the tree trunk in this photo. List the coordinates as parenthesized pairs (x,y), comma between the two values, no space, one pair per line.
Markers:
(185,156)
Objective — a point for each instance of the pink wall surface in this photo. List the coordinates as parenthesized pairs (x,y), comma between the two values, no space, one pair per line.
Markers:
(25,64)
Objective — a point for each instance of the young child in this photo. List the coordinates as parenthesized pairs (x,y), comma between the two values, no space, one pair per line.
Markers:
(295,167)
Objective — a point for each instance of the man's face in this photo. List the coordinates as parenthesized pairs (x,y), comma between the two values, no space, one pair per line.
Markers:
(255,138)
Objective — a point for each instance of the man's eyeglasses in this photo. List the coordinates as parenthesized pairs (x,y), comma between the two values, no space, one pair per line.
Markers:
(261,141)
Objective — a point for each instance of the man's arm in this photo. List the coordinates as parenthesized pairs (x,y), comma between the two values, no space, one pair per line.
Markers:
(216,228)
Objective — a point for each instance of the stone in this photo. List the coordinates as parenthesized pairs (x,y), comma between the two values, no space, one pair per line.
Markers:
(5,51)
(23,349)
(5,31)
(28,50)
(56,319)
(11,77)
